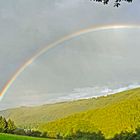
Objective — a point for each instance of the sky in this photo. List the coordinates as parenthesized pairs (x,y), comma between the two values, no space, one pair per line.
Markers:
(84,66)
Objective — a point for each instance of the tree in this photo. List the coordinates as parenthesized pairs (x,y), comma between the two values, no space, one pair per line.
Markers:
(116,2)
(10,126)
(28,132)
(44,134)
(19,131)
(36,133)
(3,124)
(86,136)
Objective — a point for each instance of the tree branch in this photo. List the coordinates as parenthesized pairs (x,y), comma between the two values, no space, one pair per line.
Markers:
(117,3)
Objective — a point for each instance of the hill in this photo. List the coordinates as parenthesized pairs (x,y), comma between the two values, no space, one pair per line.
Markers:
(34,116)
(113,114)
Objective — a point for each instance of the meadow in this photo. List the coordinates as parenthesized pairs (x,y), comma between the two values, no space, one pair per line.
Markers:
(15,137)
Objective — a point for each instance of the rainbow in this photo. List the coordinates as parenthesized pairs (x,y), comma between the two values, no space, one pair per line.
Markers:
(65,38)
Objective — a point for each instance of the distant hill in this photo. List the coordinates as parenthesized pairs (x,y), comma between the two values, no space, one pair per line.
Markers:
(29,116)
(110,115)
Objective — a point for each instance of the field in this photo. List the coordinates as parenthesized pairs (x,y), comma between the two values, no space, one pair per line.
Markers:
(14,137)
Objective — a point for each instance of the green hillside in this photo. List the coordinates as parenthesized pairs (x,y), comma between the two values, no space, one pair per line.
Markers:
(14,137)
(116,113)
(31,116)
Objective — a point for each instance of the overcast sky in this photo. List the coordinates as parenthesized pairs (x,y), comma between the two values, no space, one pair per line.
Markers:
(99,60)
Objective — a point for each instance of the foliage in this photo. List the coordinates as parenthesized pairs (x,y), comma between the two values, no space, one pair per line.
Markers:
(6,126)
(85,136)
(19,131)
(123,115)
(10,126)
(116,2)
(99,136)
(128,135)
(3,124)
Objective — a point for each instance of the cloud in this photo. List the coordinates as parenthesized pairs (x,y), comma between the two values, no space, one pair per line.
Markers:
(33,98)
(92,92)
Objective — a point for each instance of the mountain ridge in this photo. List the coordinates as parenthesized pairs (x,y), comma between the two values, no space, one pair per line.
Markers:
(33,116)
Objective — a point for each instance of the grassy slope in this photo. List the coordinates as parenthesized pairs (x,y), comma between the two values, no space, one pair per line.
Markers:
(121,113)
(15,137)
(30,116)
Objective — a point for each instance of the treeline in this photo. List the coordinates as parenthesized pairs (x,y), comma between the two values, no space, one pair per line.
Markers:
(8,126)
(100,136)
(94,136)
(128,135)
(85,136)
